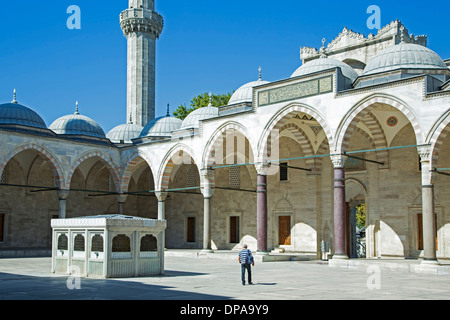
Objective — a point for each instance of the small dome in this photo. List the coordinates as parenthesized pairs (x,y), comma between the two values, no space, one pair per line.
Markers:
(124,133)
(245,93)
(77,124)
(14,113)
(193,119)
(325,63)
(161,127)
(404,56)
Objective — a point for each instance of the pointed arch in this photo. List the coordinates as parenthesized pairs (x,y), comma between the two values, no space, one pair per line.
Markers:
(279,120)
(133,161)
(362,109)
(114,170)
(48,156)
(178,154)
(437,135)
(216,140)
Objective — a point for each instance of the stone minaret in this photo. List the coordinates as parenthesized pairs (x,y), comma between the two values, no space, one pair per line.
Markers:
(142,26)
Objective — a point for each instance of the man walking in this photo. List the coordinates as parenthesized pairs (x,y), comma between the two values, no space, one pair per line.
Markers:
(246,260)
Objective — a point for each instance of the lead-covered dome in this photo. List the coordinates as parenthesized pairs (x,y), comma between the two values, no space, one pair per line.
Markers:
(324,63)
(124,133)
(161,127)
(245,92)
(14,113)
(77,125)
(194,118)
(405,56)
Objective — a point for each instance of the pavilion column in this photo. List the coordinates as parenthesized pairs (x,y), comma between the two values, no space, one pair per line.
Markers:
(339,207)
(428,214)
(62,194)
(161,196)
(261,208)
(207,189)
(121,198)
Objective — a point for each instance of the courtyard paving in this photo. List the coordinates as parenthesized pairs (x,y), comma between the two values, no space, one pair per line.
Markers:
(219,279)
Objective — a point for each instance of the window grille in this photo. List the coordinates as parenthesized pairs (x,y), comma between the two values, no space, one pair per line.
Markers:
(63,242)
(149,243)
(235,177)
(191,177)
(97,243)
(78,243)
(283,171)
(121,243)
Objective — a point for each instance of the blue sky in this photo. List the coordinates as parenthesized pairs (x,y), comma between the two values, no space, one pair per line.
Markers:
(205,46)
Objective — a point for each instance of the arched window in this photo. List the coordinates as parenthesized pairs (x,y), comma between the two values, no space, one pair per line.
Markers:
(97,243)
(63,242)
(121,243)
(78,243)
(149,243)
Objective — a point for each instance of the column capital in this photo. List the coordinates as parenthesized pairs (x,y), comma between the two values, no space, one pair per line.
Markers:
(338,160)
(425,153)
(262,168)
(63,194)
(207,183)
(161,195)
(121,198)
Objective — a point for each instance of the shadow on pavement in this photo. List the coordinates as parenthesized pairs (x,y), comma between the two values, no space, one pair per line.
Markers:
(23,287)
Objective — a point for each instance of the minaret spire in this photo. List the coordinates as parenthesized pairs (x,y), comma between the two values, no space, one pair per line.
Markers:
(142,26)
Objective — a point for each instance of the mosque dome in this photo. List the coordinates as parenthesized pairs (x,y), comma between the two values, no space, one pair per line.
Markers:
(77,125)
(193,119)
(14,113)
(161,127)
(124,133)
(245,92)
(325,63)
(405,56)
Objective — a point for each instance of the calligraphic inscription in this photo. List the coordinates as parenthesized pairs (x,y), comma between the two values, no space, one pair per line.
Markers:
(296,91)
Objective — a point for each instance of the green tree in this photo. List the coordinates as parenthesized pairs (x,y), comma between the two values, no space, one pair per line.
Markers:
(361,216)
(200,101)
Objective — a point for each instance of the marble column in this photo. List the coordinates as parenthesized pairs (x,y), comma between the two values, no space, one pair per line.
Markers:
(121,198)
(428,213)
(162,196)
(339,207)
(261,208)
(207,189)
(62,194)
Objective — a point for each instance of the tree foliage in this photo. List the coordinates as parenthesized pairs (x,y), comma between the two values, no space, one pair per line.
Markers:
(361,216)
(200,101)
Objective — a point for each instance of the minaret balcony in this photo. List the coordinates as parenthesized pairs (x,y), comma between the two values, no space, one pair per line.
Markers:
(141,20)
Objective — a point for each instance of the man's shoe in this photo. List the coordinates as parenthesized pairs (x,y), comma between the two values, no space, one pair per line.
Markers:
(250,283)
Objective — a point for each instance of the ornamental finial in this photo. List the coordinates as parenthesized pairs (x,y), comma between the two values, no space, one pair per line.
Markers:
(76,108)
(210,100)
(168,110)
(322,49)
(14,97)
(259,69)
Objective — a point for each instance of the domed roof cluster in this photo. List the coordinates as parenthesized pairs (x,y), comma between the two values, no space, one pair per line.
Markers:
(409,56)
(77,125)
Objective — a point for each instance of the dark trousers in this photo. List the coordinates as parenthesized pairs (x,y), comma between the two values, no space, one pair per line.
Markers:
(247,266)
